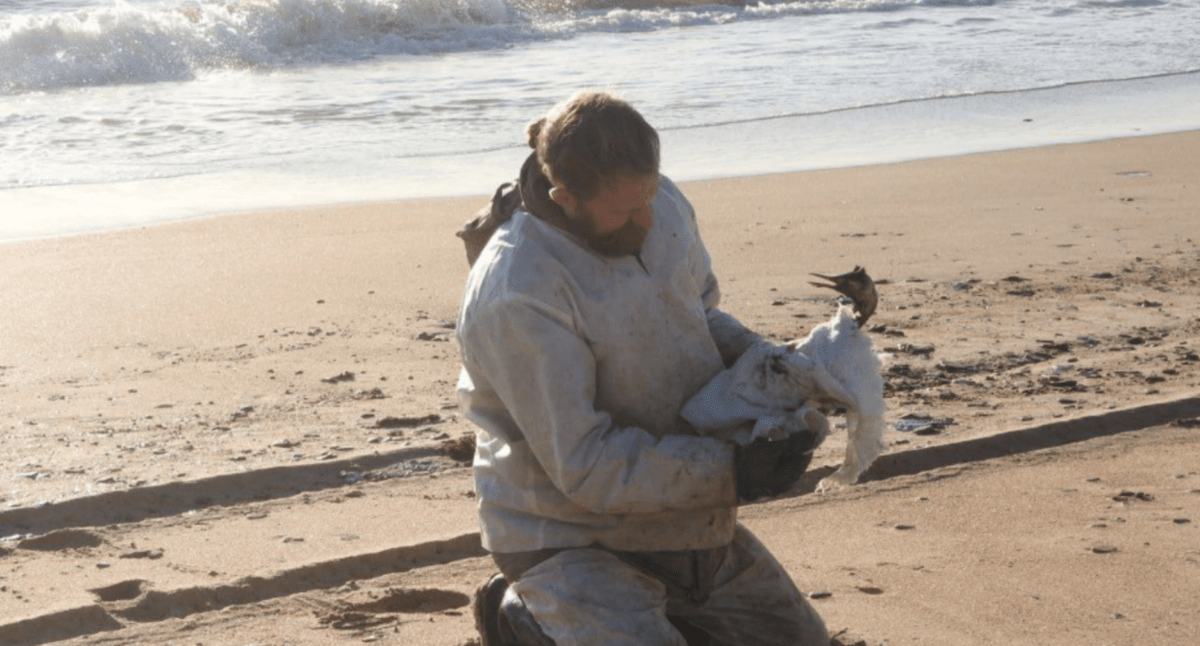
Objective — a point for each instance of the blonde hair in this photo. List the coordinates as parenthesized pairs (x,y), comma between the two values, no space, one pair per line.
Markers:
(584,142)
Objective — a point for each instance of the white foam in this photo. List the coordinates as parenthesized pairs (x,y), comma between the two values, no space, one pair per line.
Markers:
(175,40)
(149,43)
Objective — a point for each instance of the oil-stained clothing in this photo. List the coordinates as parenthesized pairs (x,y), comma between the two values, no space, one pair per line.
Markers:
(593,597)
(607,512)
(575,367)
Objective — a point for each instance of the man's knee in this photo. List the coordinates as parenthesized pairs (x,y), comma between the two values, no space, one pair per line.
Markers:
(502,618)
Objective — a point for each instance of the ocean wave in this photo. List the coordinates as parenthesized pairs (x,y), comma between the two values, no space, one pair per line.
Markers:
(129,44)
(176,40)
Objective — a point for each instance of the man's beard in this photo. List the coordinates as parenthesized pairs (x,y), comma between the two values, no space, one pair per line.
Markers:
(626,240)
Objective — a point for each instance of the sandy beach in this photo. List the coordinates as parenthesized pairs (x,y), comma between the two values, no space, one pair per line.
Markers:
(242,429)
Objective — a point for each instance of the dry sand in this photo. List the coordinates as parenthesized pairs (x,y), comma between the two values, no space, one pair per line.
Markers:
(231,430)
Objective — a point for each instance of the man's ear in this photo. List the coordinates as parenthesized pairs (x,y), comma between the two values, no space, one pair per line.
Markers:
(564,199)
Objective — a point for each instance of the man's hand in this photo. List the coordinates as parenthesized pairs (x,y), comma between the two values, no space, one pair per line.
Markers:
(766,468)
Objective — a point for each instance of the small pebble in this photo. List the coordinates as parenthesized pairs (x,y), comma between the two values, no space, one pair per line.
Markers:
(820,594)
(1103,549)
(1182,521)
(103,565)
(904,526)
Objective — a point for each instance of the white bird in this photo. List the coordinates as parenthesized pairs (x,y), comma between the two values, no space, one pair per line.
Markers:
(783,388)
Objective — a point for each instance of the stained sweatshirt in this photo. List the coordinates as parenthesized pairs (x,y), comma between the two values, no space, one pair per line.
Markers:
(575,367)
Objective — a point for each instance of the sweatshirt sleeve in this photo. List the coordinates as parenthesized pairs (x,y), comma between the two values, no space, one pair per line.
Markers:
(543,371)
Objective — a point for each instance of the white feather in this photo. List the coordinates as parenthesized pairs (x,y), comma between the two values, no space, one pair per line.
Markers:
(851,376)
(773,390)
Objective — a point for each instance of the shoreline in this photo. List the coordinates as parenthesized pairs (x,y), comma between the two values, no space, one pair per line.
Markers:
(482,197)
(842,139)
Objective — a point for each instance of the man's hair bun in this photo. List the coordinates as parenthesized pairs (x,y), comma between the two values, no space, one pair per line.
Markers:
(533,131)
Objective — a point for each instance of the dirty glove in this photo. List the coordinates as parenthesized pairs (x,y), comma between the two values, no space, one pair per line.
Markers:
(765,468)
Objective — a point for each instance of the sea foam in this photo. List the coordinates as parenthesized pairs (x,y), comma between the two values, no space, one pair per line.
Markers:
(176,40)
(131,44)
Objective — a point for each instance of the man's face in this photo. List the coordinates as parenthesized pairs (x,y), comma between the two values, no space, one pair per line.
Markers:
(618,218)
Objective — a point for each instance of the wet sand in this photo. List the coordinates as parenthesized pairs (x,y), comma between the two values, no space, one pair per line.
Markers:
(240,429)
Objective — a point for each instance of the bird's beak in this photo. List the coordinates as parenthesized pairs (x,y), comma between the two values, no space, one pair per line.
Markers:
(857,286)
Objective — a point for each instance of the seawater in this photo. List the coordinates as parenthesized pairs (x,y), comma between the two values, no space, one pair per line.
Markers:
(116,114)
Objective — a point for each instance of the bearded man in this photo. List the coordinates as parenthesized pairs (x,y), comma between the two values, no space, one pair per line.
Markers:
(589,318)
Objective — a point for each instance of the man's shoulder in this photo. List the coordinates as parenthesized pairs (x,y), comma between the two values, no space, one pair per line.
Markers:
(669,189)
(665,182)
(523,241)
(671,196)
(520,259)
